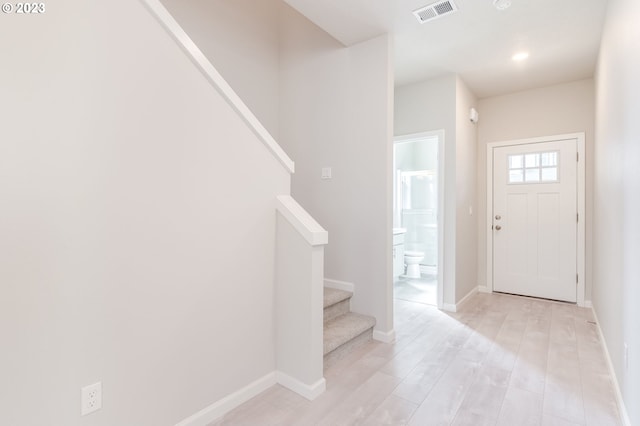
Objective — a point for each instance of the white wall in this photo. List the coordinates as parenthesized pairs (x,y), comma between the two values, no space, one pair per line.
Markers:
(118,246)
(299,293)
(616,232)
(318,98)
(554,110)
(240,38)
(324,107)
(335,112)
(466,223)
(427,106)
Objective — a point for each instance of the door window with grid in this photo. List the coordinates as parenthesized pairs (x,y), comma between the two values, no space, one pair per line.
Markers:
(537,167)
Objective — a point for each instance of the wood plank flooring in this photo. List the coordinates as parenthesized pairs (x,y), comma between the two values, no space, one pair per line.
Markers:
(503,360)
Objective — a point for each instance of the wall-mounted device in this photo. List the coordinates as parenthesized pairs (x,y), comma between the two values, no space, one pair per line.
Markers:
(473,115)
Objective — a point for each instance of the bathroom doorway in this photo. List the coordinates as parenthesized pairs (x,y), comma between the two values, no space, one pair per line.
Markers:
(417,212)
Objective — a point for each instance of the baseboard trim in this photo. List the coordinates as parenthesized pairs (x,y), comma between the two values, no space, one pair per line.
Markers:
(384,336)
(622,409)
(468,297)
(229,402)
(588,304)
(310,392)
(484,289)
(339,285)
(450,307)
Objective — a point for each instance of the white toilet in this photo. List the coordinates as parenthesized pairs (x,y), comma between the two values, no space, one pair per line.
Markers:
(412,259)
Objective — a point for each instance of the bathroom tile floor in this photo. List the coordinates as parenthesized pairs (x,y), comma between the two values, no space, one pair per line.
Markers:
(501,360)
(419,290)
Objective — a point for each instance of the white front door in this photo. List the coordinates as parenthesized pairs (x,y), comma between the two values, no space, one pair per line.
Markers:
(535,219)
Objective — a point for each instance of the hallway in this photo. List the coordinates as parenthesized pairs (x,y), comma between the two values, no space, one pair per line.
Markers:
(502,360)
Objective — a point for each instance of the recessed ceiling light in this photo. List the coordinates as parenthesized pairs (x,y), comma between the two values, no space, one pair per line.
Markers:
(502,4)
(520,56)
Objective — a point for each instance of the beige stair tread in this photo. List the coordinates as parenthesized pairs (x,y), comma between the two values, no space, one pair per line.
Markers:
(333,296)
(340,330)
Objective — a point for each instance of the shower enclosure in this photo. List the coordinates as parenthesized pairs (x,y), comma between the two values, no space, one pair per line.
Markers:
(420,213)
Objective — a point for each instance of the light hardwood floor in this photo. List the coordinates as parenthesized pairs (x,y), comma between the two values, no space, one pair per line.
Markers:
(420,290)
(502,360)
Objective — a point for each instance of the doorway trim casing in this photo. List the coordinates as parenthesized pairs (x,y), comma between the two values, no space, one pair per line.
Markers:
(413,137)
(581,194)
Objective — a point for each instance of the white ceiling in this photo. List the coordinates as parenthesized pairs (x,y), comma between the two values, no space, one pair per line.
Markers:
(477,41)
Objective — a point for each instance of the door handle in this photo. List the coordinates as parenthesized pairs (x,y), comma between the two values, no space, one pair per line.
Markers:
(498,227)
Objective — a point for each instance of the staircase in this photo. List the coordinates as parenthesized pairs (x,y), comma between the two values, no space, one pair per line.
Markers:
(343,330)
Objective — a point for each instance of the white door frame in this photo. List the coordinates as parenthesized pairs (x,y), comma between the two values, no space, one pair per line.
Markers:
(580,249)
(441,199)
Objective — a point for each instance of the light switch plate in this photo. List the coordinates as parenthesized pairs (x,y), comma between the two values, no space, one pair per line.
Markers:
(326,173)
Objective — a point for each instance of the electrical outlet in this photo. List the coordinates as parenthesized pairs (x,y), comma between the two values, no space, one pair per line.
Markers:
(91,399)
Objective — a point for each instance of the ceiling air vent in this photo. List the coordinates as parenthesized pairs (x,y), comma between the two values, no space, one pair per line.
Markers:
(435,11)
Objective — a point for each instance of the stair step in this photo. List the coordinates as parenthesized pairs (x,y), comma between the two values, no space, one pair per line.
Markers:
(344,328)
(333,296)
(336,303)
